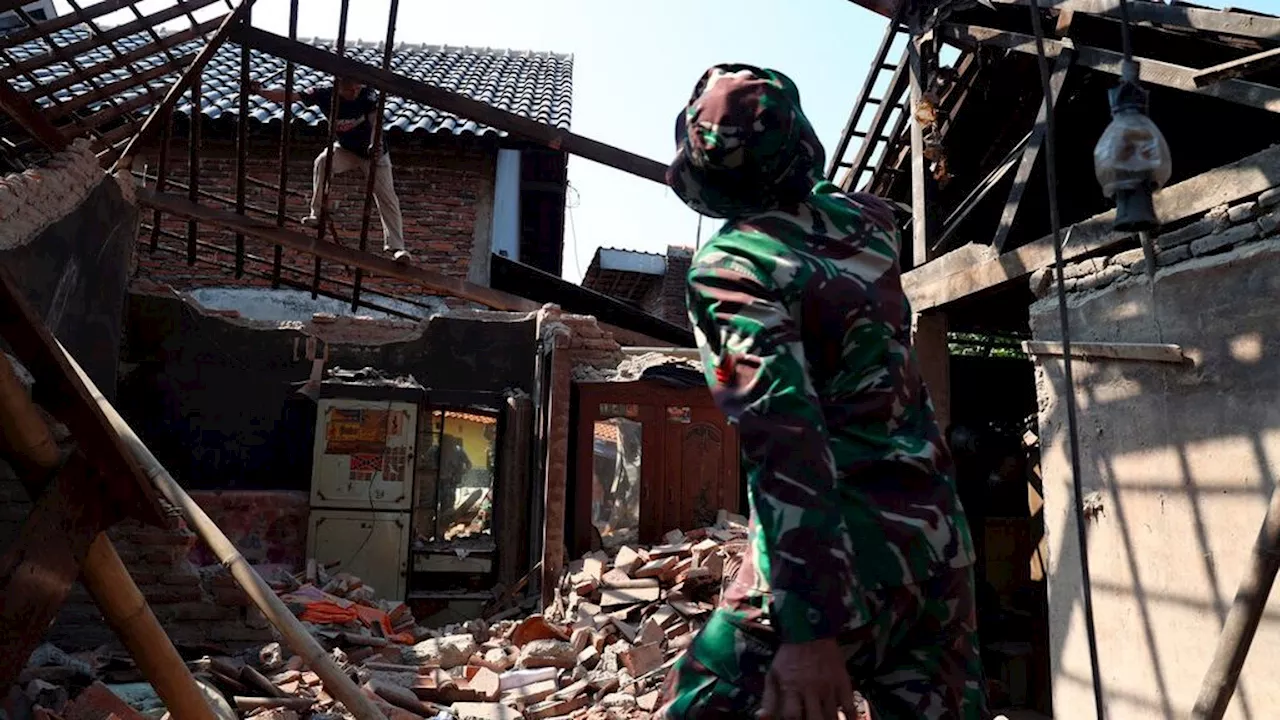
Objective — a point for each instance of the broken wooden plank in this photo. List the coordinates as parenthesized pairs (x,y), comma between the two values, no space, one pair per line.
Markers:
(1148,352)
(74,404)
(39,567)
(449,101)
(941,282)
(34,123)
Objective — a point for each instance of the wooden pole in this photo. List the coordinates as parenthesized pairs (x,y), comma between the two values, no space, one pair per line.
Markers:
(102,570)
(299,640)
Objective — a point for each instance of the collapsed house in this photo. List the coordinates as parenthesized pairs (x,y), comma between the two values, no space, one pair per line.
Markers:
(449,433)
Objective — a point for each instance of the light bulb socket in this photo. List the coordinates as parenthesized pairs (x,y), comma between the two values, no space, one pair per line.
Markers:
(1135,210)
(1128,97)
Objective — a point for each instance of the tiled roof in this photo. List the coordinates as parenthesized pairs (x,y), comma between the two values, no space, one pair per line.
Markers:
(535,85)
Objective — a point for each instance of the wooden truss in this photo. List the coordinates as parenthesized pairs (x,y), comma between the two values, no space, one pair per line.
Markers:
(937,280)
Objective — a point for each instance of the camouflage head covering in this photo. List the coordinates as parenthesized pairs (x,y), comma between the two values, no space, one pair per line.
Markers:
(743,144)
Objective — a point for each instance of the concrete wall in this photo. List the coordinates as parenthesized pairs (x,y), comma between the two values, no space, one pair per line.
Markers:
(1177,462)
(66,237)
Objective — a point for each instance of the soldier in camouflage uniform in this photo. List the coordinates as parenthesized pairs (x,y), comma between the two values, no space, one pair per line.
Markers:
(859,549)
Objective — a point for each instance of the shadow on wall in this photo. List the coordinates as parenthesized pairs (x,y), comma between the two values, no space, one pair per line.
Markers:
(216,400)
(1178,464)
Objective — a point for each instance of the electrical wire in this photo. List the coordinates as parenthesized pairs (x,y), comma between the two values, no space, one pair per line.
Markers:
(1073,437)
(569,205)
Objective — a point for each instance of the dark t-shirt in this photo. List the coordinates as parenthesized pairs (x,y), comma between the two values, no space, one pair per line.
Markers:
(354,131)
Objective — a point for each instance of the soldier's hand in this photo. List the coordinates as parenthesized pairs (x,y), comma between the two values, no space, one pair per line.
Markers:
(808,681)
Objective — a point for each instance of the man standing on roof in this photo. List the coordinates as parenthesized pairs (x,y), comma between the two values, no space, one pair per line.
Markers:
(859,556)
(357,108)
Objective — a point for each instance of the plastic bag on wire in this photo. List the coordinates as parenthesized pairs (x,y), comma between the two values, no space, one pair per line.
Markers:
(1131,152)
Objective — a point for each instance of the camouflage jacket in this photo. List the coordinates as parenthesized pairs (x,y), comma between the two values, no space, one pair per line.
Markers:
(805,333)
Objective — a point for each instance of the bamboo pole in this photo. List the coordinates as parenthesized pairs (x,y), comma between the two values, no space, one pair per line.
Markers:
(126,610)
(299,640)
(103,572)
(21,425)
(1220,681)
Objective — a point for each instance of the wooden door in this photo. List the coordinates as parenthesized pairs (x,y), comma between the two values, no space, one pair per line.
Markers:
(689,466)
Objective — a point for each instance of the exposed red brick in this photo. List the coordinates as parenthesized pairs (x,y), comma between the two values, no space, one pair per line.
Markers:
(439,189)
(99,703)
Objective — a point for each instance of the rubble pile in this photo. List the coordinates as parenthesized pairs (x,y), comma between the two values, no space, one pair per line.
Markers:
(599,652)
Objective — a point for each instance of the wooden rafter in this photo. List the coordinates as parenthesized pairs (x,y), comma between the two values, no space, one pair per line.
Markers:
(1237,68)
(922,186)
(1155,72)
(1226,22)
(1031,155)
(35,124)
(452,102)
(98,40)
(190,75)
(267,230)
(955,276)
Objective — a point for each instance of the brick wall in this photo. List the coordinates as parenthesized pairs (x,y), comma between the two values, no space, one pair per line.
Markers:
(193,597)
(445,191)
(667,299)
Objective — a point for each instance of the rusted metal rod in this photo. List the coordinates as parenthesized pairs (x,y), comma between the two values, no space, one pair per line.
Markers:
(162,173)
(340,50)
(286,122)
(336,683)
(197,66)
(193,161)
(375,154)
(295,284)
(1242,621)
(242,145)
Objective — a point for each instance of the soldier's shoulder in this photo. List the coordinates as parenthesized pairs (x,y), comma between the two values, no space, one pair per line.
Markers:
(739,249)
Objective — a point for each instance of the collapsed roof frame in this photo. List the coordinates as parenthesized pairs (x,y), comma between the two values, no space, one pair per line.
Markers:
(973,268)
(127,140)
(942,279)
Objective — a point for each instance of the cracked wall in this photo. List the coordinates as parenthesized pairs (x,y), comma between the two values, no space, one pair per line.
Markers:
(1177,462)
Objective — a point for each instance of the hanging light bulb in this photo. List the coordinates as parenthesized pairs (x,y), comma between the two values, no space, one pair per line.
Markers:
(1131,159)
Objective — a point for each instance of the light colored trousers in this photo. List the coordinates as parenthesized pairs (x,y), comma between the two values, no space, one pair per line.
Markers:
(384,192)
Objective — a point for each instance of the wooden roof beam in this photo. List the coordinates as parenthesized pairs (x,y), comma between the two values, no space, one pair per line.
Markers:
(35,124)
(448,101)
(939,282)
(97,40)
(1155,72)
(1226,22)
(1237,68)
